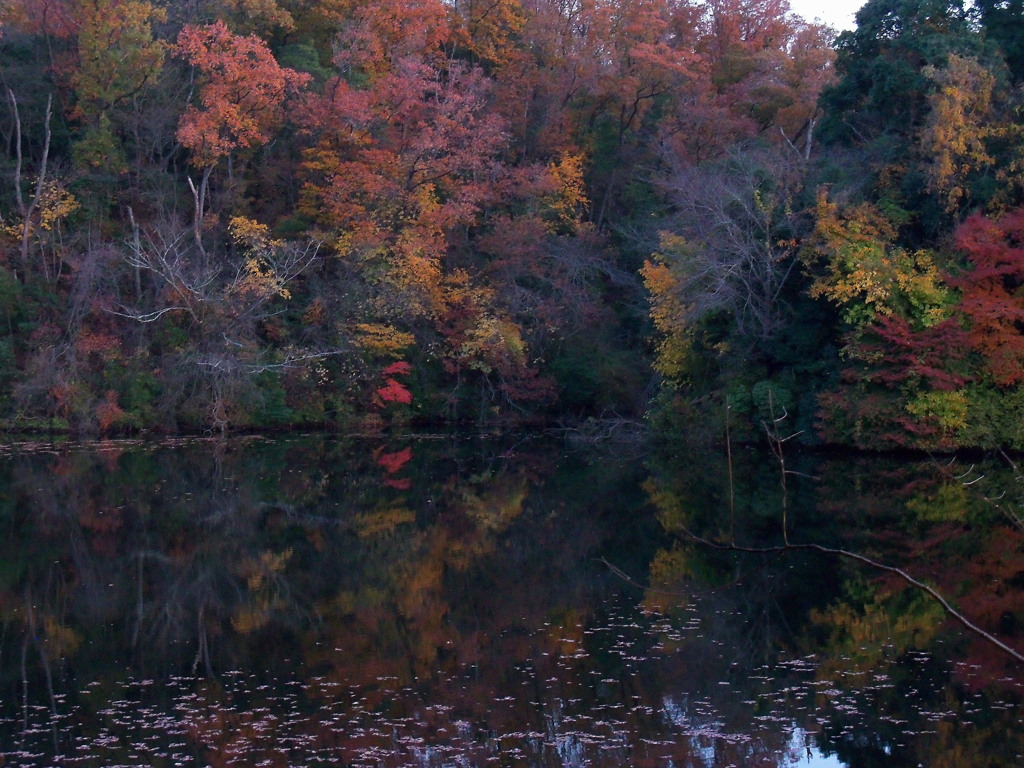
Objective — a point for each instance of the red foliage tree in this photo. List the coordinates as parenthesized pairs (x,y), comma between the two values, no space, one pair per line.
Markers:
(393,391)
(993,292)
(897,355)
(397,168)
(903,391)
(375,36)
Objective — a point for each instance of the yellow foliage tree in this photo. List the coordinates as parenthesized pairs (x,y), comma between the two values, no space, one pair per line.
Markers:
(669,312)
(954,136)
(866,274)
(565,206)
(118,56)
(491,27)
(258,279)
(383,340)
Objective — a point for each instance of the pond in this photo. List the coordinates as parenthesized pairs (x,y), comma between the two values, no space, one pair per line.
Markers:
(443,601)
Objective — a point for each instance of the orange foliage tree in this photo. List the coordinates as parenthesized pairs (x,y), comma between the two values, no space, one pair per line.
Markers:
(242,96)
(241,99)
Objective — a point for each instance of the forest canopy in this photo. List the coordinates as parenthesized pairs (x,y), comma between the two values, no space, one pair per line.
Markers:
(246,214)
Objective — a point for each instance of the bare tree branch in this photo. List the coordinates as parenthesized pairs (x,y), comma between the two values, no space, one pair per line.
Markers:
(731,214)
(26,211)
(945,604)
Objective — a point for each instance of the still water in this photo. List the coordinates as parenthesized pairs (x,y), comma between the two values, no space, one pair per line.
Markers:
(434,601)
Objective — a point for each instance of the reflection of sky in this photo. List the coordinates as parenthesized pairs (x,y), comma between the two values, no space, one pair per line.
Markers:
(807,755)
(818,760)
(838,13)
(801,751)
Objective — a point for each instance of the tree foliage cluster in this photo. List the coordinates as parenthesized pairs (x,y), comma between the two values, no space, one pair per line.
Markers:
(227,214)
(870,290)
(230,214)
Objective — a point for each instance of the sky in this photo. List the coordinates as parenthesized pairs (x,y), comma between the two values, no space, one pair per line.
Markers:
(838,13)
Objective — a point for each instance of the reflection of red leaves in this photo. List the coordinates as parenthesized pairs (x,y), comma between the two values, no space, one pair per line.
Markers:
(393,462)
(393,392)
(399,483)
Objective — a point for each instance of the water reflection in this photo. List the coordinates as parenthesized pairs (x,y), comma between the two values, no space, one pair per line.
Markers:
(449,602)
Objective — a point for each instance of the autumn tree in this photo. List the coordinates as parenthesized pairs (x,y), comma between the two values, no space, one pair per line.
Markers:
(766,65)
(860,267)
(882,82)
(992,301)
(396,168)
(762,70)
(117,54)
(241,99)
(956,132)
(629,62)
(903,387)
(372,38)
(118,60)
(400,174)
(670,315)
(732,241)
(492,29)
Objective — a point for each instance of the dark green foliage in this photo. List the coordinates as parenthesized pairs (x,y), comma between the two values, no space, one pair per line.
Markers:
(881,85)
(304,58)
(596,379)
(995,418)
(141,391)
(1003,24)
(272,410)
